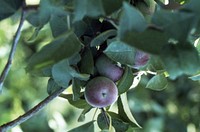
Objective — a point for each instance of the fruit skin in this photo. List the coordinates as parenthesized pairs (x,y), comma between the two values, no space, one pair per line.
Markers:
(101,92)
(106,67)
(141,58)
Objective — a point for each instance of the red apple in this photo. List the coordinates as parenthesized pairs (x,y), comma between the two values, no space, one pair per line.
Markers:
(141,58)
(101,92)
(108,68)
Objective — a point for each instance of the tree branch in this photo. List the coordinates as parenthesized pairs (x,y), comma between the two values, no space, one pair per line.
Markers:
(13,48)
(31,112)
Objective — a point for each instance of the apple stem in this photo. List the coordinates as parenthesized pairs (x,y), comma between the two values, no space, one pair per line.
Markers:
(105,117)
(94,114)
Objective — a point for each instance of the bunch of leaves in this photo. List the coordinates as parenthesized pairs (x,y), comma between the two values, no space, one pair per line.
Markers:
(83,30)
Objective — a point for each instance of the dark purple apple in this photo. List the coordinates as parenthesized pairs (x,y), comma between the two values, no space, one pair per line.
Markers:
(108,68)
(141,58)
(101,92)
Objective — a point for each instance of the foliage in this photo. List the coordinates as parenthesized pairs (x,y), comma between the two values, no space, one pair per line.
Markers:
(80,31)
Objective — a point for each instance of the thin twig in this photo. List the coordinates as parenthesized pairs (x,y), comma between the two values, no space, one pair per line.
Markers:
(31,112)
(13,48)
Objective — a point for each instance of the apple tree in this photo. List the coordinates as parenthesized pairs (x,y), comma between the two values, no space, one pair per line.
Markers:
(103,49)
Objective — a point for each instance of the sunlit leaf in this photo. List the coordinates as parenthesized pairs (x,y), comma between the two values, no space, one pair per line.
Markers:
(157,82)
(126,81)
(124,110)
(195,77)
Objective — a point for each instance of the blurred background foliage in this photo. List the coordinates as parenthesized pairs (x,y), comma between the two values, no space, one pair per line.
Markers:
(175,109)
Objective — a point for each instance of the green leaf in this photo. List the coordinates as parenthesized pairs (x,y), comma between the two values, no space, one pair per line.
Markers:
(116,4)
(103,37)
(81,103)
(79,28)
(62,47)
(90,8)
(131,21)
(180,59)
(74,59)
(150,40)
(62,73)
(177,25)
(155,124)
(88,127)
(40,17)
(52,86)
(53,12)
(76,88)
(102,121)
(157,82)
(195,77)
(117,123)
(126,81)
(124,110)
(155,64)
(120,52)
(87,62)
(59,24)
(193,6)
(85,111)
(9,7)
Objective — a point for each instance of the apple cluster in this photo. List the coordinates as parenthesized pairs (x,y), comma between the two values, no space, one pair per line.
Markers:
(101,91)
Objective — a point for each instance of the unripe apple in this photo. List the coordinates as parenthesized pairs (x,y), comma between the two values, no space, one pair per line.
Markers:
(141,58)
(101,92)
(108,68)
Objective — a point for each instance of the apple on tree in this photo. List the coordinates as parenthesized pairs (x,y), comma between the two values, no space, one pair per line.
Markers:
(106,67)
(101,92)
(141,59)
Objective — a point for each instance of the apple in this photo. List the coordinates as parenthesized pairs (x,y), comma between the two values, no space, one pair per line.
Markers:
(101,92)
(141,59)
(108,68)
